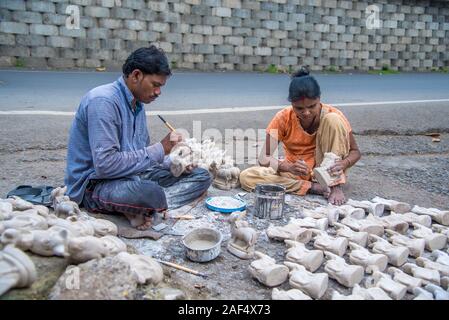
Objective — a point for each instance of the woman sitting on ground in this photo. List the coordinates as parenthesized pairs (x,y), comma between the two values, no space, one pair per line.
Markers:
(308,129)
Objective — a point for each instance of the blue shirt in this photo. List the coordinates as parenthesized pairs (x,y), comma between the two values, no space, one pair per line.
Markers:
(108,140)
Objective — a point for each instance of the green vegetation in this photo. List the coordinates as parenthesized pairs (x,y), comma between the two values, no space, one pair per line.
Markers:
(384,71)
(174,64)
(272,69)
(332,69)
(440,69)
(20,63)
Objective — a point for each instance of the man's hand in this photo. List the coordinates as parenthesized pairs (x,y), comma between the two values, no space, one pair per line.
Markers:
(170,140)
(190,168)
(298,168)
(338,167)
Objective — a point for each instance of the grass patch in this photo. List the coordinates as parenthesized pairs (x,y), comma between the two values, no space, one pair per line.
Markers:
(332,69)
(441,69)
(20,63)
(272,69)
(385,70)
(174,64)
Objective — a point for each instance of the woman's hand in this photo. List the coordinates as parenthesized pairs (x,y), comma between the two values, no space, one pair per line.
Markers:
(298,168)
(338,167)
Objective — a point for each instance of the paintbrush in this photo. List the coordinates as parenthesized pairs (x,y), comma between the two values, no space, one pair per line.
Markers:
(166,123)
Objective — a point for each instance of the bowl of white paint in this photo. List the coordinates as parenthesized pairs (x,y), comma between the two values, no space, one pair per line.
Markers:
(202,244)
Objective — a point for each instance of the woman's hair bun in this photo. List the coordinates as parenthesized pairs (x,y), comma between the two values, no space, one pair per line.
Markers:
(302,72)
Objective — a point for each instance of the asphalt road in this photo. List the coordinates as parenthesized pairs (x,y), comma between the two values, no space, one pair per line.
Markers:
(403,104)
(62,91)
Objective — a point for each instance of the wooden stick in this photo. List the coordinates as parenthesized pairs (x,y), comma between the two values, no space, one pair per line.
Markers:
(177,266)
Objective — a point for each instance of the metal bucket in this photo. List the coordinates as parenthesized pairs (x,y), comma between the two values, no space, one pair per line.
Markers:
(269,201)
(202,244)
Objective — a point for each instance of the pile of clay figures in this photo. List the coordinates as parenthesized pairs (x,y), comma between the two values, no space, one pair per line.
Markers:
(380,249)
(208,156)
(77,237)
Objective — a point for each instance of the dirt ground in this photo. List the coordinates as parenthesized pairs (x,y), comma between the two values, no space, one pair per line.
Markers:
(408,168)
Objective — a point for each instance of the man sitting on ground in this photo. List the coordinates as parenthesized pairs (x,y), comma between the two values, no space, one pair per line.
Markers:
(111,166)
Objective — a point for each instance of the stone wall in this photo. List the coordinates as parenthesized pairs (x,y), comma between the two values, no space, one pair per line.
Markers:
(227,34)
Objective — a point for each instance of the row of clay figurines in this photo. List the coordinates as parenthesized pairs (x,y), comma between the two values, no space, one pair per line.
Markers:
(79,237)
(296,234)
(302,262)
(207,156)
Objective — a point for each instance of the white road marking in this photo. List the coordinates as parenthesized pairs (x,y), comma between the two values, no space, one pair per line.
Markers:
(218,110)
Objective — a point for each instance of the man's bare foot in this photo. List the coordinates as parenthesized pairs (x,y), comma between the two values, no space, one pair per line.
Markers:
(318,189)
(337,197)
(139,221)
(146,225)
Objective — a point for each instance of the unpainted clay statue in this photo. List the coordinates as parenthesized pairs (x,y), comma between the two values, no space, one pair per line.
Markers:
(289,232)
(421,294)
(331,213)
(416,246)
(5,215)
(227,177)
(391,223)
(18,204)
(17,270)
(441,257)
(5,210)
(384,281)
(76,226)
(50,242)
(24,222)
(364,225)
(145,269)
(392,205)
(374,293)
(313,284)
(243,238)
(442,217)
(427,275)
(411,218)
(103,227)
(347,275)
(62,203)
(292,294)
(362,257)
(113,245)
(350,211)
(308,222)
(338,296)
(441,229)
(324,178)
(374,208)
(325,242)
(429,264)
(298,253)
(401,277)
(205,155)
(41,210)
(445,283)
(181,158)
(267,271)
(434,241)
(361,238)
(438,292)
(397,255)
(83,249)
